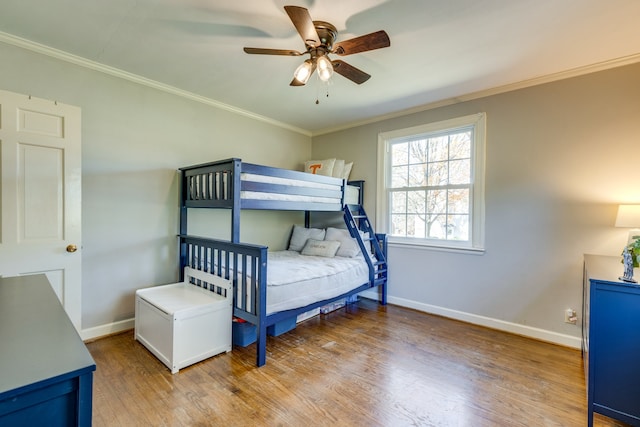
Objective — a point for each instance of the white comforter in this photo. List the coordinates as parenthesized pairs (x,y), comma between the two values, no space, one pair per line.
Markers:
(296,280)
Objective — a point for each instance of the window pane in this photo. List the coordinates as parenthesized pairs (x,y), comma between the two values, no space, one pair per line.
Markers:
(460,145)
(460,171)
(438,148)
(399,225)
(399,178)
(436,227)
(418,175)
(399,154)
(458,227)
(411,226)
(415,226)
(415,202)
(437,173)
(458,200)
(418,152)
(437,201)
(398,202)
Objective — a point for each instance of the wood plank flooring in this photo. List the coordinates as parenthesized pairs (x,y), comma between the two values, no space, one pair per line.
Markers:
(364,365)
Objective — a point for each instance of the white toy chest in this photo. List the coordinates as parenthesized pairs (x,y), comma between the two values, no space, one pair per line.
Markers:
(182,323)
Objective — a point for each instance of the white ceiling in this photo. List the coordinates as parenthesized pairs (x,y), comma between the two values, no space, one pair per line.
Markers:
(440,49)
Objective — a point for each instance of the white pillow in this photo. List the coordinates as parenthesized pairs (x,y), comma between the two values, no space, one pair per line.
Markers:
(325,248)
(338,167)
(300,235)
(346,170)
(320,167)
(348,246)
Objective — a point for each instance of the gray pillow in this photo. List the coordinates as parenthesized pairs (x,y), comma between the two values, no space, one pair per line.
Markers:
(300,235)
(348,246)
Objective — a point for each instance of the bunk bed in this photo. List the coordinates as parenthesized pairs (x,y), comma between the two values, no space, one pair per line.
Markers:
(236,185)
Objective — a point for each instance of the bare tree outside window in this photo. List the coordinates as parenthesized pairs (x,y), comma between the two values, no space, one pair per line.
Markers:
(430,183)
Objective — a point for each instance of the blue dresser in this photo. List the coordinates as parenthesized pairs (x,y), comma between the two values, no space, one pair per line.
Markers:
(46,372)
(611,340)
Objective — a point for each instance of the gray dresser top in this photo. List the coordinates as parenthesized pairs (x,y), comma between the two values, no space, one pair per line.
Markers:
(37,340)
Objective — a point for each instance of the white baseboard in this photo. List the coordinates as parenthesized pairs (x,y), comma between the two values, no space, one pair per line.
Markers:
(108,329)
(501,325)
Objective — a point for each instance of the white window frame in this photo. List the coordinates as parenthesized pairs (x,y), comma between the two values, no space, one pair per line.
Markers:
(476,241)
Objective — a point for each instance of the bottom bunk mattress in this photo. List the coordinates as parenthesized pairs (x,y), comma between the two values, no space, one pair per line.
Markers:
(295,280)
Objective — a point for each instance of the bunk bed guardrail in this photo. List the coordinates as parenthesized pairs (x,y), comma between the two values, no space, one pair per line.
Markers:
(244,264)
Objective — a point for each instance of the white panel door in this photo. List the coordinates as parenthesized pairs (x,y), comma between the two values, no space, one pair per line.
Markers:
(40,204)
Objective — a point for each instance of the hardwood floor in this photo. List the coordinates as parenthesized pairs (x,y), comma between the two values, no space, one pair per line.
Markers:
(364,365)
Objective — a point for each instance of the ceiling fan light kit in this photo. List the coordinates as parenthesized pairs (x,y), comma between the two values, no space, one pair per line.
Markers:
(302,73)
(325,69)
(319,38)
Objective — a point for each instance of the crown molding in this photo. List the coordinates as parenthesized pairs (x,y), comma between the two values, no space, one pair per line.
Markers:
(112,71)
(96,66)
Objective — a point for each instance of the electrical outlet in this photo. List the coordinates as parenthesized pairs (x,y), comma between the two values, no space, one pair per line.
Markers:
(570,316)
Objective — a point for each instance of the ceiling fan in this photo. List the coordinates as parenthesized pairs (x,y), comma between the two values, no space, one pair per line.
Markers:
(320,40)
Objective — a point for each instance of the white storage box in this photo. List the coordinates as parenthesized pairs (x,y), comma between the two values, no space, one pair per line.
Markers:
(182,323)
(308,315)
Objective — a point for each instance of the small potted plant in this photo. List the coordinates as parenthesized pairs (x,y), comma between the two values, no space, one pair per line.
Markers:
(634,249)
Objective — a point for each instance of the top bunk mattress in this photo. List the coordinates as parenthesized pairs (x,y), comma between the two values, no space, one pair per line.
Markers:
(350,197)
(264,187)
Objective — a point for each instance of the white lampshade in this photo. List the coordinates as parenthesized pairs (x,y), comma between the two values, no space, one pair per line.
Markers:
(325,68)
(628,216)
(303,72)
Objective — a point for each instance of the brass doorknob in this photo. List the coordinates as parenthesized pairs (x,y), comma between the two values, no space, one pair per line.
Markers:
(72,248)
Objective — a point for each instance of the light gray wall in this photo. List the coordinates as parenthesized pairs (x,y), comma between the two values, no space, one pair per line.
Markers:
(133,140)
(560,157)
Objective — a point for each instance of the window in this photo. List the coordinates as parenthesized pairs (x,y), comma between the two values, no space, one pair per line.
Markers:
(431,184)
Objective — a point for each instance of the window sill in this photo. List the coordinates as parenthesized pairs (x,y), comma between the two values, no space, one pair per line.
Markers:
(431,247)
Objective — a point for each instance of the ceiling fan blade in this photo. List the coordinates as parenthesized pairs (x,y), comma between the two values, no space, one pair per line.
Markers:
(350,72)
(372,41)
(304,24)
(261,51)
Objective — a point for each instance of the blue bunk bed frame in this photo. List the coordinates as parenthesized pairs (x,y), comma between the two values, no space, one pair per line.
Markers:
(218,185)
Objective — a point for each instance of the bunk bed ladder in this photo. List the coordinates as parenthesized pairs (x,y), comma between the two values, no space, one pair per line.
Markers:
(370,243)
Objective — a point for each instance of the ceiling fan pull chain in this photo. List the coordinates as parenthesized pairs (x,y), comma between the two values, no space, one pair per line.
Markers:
(317,91)
(321,85)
